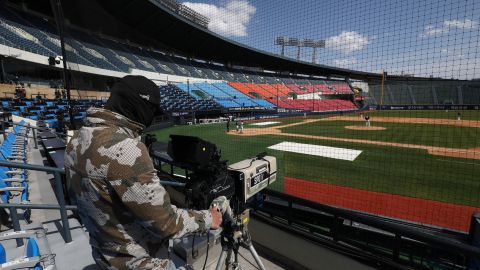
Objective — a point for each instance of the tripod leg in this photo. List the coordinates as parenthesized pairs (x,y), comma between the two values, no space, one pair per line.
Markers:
(221,260)
(256,257)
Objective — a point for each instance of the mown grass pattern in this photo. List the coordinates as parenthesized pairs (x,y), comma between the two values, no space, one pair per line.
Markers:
(407,172)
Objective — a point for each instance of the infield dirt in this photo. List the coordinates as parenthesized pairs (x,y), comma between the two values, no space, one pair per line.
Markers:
(470,153)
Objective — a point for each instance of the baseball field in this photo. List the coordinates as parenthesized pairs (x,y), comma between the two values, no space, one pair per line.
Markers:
(420,166)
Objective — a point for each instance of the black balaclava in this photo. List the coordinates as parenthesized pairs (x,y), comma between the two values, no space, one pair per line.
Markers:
(136,98)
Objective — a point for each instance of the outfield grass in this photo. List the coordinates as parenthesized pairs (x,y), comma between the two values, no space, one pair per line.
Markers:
(466,115)
(401,171)
(421,134)
(233,148)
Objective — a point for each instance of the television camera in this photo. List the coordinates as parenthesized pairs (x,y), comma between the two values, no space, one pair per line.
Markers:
(206,176)
(208,181)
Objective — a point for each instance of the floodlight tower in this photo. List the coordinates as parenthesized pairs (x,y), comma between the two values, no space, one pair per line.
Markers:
(310,43)
(281,42)
(299,43)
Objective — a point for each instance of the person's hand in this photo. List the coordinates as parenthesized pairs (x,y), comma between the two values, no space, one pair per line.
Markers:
(216,218)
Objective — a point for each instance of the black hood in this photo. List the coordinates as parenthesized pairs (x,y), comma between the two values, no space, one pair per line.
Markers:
(136,98)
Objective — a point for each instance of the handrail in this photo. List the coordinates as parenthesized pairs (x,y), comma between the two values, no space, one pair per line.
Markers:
(31,167)
(32,127)
(439,241)
(62,206)
(2,122)
(37,206)
(58,191)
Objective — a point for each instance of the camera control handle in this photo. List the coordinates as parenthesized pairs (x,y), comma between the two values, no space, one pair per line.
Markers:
(223,205)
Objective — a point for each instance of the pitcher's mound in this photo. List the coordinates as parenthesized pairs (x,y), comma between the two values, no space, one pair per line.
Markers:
(364,128)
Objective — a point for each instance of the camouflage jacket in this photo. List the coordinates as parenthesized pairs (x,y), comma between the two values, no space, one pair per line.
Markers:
(124,207)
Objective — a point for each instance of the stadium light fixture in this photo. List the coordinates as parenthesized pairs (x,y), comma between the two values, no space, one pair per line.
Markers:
(299,43)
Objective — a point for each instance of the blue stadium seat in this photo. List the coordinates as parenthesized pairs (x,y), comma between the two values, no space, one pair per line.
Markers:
(33,257)
(3,255)
(213,91)
(263,103)
(32,250)
(174,99)
(228,103)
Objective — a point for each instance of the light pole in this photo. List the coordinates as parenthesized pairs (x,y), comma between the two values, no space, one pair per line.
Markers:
(276,80)
(299,43)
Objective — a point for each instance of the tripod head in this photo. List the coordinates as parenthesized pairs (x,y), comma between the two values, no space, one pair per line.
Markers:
(234,226)
(234,235)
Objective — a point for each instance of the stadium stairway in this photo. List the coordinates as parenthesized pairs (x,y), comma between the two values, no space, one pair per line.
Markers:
(40,191)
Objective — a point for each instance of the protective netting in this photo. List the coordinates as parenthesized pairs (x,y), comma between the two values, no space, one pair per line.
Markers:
(392,130)
(411,152)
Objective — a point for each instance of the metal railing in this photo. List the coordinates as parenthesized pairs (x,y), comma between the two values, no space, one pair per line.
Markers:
(345,229)
(4,132)
(34,129)
(62,206)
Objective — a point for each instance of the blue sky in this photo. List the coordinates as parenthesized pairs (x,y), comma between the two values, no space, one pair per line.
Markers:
(439,38)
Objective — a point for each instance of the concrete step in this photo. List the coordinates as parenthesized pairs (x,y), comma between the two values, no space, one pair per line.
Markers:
(76,255)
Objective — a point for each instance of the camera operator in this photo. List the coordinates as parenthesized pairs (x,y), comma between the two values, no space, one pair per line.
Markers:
(125,209)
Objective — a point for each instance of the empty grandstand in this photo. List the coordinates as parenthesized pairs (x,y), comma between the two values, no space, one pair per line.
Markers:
(113,58)
(424,93)
(373,170)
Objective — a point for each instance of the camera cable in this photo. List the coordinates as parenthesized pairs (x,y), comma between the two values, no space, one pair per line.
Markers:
(248,261)
(194,254)
(208,247)
(251,162)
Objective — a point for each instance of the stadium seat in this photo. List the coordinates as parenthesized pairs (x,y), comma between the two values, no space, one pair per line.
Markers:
(33,251)
(104,53)
(3,255)
(34,256)
(14,182)
(175,99)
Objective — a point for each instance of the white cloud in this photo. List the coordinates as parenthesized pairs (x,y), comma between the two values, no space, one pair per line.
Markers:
(345,62)
(465,24)
(431,30)
(229,19)
(451,64)
(347,41)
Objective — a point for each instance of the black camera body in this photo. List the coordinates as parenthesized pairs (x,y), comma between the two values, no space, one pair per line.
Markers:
(207,177)
(206,185)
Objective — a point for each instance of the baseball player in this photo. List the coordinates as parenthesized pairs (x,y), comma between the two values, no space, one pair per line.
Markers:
(367,120)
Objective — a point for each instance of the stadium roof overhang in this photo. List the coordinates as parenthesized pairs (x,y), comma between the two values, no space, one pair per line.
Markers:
(149,23)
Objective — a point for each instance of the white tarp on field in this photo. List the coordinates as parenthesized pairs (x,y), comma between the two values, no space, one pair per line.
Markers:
(317,150)
(265,123)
